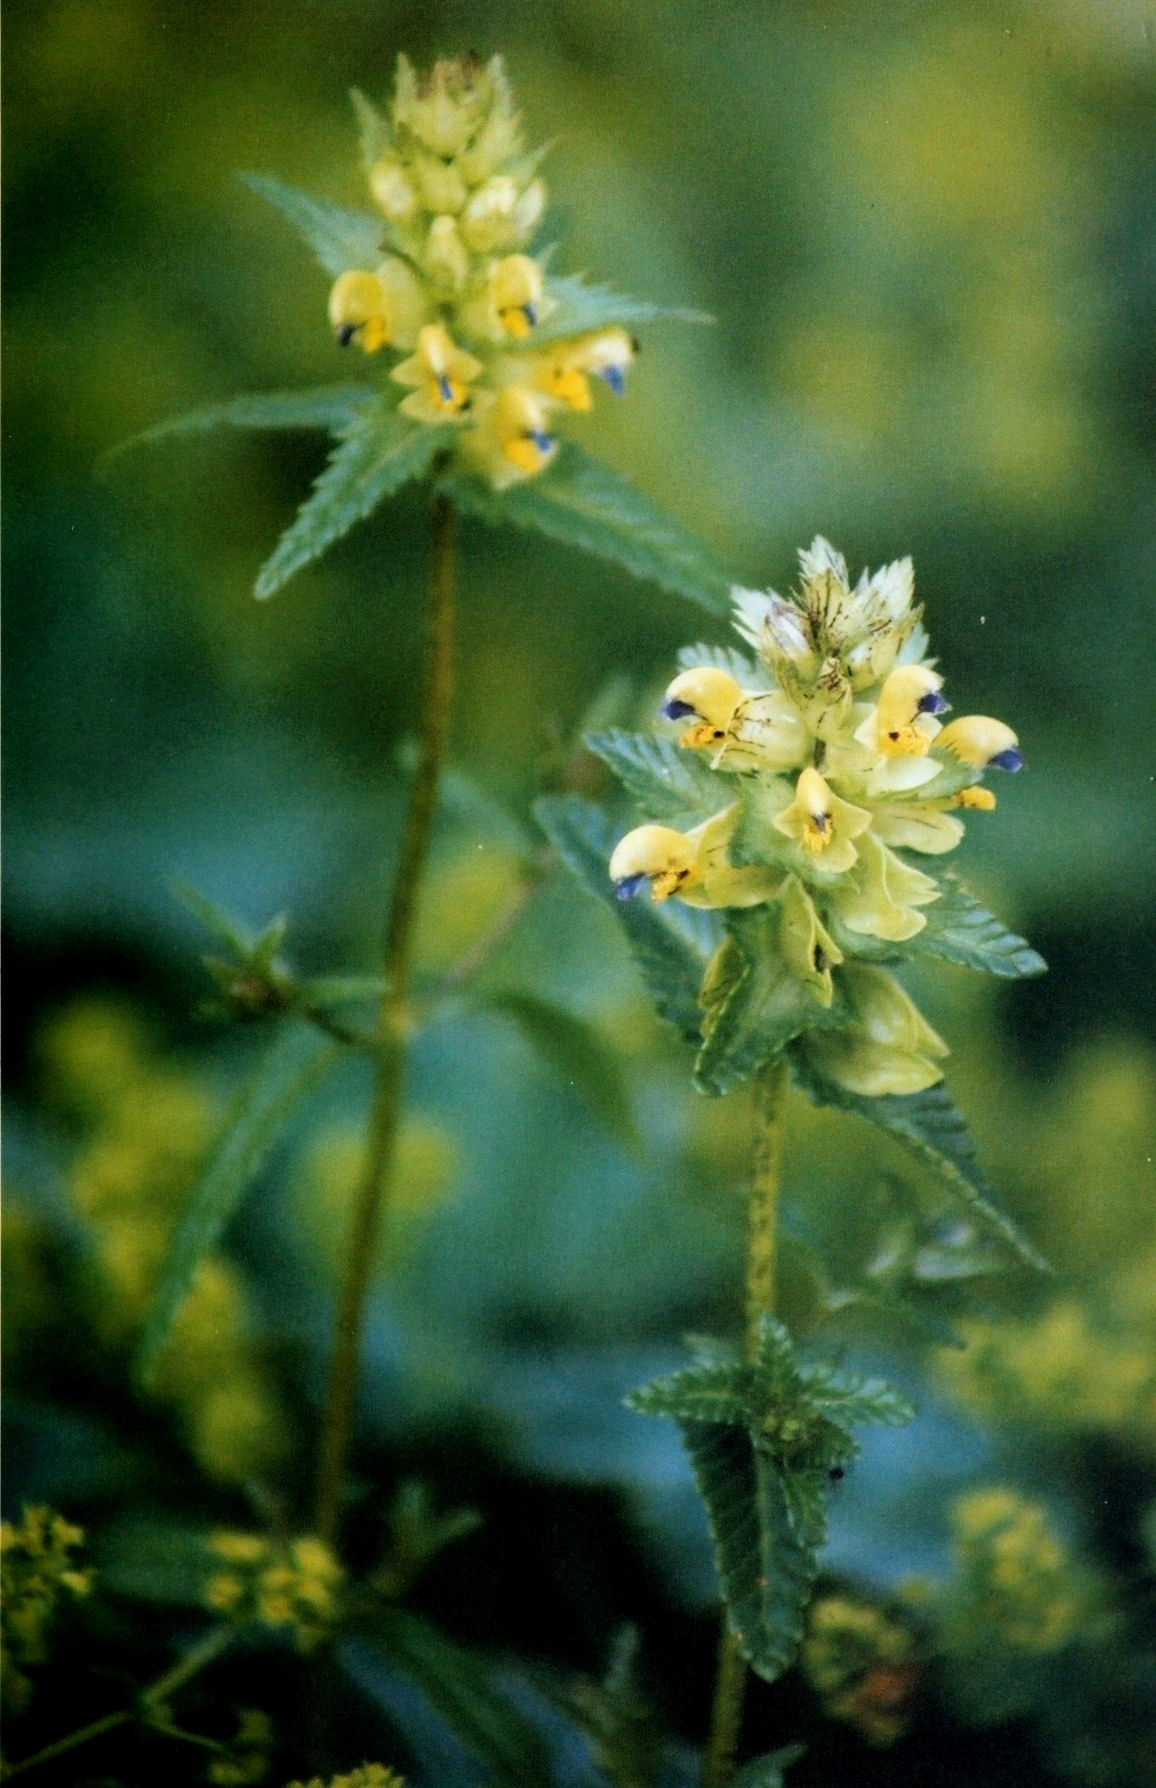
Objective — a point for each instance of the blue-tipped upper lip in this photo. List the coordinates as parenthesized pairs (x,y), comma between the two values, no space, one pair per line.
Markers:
(1011,759)
(676,710)
(630,885)
(934,703)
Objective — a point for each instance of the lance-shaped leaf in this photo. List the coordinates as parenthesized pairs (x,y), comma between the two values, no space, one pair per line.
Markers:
(287,1073)
(671,948)
(753,1003)
(585,504)
(625,1739)
(762,1435)
(376,455)
(767,1772)
(582,307)
(460,1687)
(932,1128)
(342,239)
(664,781)
(333,408)
(962,930)
(578,1055)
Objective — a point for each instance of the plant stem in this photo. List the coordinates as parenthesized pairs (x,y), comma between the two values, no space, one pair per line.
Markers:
(150,1702)
(392,1026)
(762,1209)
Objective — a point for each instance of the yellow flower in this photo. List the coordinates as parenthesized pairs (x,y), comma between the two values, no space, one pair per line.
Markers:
(694,865)
(378,309)
(566,372)
(888,1048)
(881,897)
(514,440)
(903,721)
(441,374)
(822,823)
(982,743)
(744,730)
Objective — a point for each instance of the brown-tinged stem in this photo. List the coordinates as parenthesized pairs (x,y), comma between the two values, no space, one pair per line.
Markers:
(762,1209)
(390,1038)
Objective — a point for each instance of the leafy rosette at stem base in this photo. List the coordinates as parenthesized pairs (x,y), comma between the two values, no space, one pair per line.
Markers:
(763,1437)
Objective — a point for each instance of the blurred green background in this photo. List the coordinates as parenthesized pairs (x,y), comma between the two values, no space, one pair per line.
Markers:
(927,234)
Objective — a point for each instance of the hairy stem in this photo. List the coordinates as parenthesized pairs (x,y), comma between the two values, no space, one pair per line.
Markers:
(390,1039)
(762,1209)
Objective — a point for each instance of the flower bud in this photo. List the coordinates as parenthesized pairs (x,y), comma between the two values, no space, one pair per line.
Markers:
(888,1049)
(488,219)
(443,108)
(393,191)
(439,183)
(445,258)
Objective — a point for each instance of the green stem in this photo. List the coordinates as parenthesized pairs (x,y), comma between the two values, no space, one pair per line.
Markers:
(151,1699)
(390,1040)
(762,1211)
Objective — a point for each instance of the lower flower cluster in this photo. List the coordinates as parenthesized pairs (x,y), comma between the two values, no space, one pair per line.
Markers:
(828,778)
(295,1584)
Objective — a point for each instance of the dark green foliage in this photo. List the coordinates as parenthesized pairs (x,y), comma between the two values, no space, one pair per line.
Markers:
(293,1064)
(342,239)
(587,505)
(624,1738)
(671,956)
(374,457)
(932,1128)
(462,1690)
(667,783)
(767,1772)
(762,1437)
(962,930)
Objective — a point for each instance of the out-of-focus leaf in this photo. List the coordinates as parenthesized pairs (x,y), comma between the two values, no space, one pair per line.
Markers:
(672,961)
(379,453)
(461,1689)
(287,1073)
(624,1737)
(153,1561)
(585,504)
(338,990)
(931,1126)
(231,933)
(752,1003)
(962,930)
(329,407)
(664,781)
(578,1055)
(582,307)
(767,1772)
(342,239)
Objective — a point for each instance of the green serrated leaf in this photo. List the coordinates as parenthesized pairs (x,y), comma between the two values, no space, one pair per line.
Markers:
(578,1055)
(458,1685)
(962,930)
(932,1128)
(374,458)
(286,1074)
(671,956)
(585,504)
(708,1392)
(342,239)
(752,1003)
(266,946)
(855,1402)
(723,658)
(582,307)
(333,408)
(766,1563)
(664,781)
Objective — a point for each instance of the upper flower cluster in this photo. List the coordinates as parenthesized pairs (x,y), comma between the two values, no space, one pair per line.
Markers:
(833,761)
(457,295)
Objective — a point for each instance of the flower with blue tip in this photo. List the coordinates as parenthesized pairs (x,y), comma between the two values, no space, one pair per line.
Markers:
(839,770)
